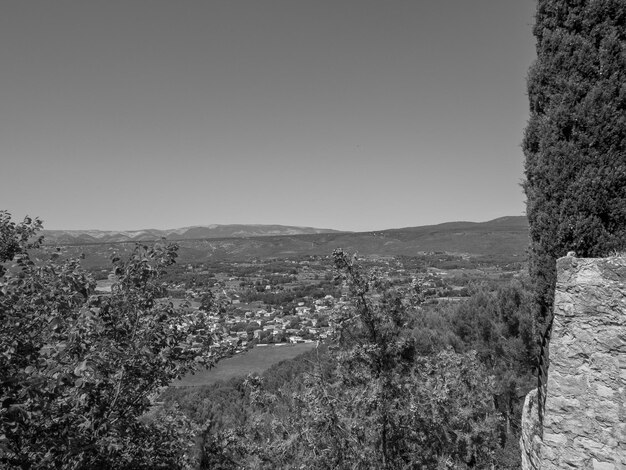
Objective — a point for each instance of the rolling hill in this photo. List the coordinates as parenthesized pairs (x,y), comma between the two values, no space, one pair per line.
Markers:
(505,238)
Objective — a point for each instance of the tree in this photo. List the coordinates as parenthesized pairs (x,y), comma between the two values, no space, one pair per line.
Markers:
(15,238)
(575,141)
(79,370)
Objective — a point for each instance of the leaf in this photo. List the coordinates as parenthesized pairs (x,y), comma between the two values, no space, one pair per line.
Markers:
(80,368)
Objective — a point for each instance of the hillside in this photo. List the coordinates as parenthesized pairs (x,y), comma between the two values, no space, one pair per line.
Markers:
(78,237)
(504,238)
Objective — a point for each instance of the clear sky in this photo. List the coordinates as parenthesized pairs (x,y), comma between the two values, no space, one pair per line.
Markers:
(345,114)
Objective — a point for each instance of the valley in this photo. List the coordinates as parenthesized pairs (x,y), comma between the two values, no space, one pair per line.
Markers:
(273,296)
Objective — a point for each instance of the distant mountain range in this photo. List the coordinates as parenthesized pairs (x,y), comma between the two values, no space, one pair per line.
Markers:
(80,237)
(505,238)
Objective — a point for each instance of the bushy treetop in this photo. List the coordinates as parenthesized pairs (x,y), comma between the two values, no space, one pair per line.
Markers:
(79,369)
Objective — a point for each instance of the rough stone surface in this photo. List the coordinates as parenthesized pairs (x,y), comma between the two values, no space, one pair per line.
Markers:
(530,443)
(585,414)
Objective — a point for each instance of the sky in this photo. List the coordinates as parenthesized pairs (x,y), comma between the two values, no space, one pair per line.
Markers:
(345,114)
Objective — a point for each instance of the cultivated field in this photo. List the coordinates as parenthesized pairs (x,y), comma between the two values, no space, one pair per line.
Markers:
(257,360)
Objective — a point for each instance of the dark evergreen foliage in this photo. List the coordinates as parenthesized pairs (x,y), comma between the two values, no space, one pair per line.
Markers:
(575,143)
(576,136)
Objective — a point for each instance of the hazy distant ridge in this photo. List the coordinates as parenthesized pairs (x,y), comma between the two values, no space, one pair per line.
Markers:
(504,238)
(184,233)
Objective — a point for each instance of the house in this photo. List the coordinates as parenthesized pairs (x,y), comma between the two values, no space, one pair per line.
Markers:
(302,310)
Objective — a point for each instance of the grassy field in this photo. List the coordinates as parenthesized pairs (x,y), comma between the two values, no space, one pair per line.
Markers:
(255,360)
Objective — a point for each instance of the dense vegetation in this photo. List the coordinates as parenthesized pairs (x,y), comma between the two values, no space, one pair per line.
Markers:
(400,385)
(575,141)
(78,371)
(403,386)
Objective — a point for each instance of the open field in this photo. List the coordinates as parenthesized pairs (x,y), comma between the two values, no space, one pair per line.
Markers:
(256,360)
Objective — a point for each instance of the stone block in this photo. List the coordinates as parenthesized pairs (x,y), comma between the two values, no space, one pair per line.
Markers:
(554,439)
(597,465)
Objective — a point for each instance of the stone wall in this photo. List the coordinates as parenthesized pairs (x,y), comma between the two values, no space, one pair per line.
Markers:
(585,414)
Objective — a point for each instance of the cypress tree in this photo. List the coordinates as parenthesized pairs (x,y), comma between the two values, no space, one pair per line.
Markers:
(574,144)
(576,136)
